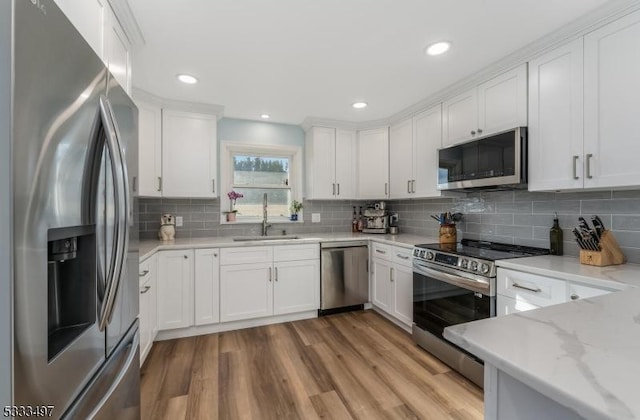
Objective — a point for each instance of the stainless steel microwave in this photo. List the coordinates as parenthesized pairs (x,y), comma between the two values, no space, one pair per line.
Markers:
(498,161)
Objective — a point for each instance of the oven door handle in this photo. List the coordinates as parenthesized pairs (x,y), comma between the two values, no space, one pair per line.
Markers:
(475,286)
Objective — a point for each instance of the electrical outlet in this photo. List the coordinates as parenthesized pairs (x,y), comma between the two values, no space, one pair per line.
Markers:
(315,217)
(178,221)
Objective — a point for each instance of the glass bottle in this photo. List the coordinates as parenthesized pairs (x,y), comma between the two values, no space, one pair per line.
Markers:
(360,221)
(354,221)
(555,238)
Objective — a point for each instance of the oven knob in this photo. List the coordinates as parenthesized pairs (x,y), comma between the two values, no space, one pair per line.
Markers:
(416,252)
(464,263)
(484,268)
(429,255)
(474,265)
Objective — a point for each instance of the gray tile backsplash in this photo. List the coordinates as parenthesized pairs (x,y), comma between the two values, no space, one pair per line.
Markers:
(525,217)
(520,217)
(201,218)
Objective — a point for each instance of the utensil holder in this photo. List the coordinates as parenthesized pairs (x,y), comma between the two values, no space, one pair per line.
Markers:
(609,254)
(448,234)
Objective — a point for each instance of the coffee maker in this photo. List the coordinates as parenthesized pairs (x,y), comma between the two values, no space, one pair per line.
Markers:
(376,218)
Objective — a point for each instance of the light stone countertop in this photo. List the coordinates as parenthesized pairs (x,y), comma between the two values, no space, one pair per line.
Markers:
(617,277)
(148,247)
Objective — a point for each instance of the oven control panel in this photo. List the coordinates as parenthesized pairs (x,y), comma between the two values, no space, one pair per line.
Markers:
(462,263)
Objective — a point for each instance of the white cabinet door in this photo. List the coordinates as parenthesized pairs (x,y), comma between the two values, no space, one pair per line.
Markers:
(346,159)
(207,286)
(381,284)
(88,17)
(401,159)
(373,171)
(296,286)
(402,292)
(556,119)
(189,149)
(246,291)
(460,118)
(320,158)
(502,102)
(149,149)
(175,289)
(117,51)
(507,305)
(427,139)
(612,104)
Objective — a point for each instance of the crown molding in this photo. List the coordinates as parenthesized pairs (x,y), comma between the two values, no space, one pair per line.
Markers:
(211,109)
(127,20)
(344,125)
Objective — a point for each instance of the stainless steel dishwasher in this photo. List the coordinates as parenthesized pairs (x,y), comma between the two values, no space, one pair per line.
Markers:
(344,276)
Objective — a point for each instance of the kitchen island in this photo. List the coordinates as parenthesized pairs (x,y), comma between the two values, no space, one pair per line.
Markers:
(574,360)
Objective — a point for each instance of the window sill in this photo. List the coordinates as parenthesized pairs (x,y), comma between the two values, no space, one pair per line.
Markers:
(274,221)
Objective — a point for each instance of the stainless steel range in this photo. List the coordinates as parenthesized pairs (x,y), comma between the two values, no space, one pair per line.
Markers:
(454,284)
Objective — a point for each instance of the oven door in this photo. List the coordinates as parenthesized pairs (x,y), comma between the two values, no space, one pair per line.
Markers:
(442,297)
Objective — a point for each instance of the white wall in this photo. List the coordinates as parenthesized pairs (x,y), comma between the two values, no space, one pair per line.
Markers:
(6,245)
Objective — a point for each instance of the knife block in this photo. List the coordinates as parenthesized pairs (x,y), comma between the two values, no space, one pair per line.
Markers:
(609,254)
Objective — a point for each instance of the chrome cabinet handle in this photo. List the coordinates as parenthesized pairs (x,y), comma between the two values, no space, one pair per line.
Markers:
(134,188)
(144,273)
(213,185)
(391,274)
(408,186)
(379,251)
(276,270)
(145,290)
(404,257)
(413,186)
(159,183)
(269,273)
(334,190)
(574,296)
(385,188)
(536,290)
(589,156)
(338,188)
(575,166)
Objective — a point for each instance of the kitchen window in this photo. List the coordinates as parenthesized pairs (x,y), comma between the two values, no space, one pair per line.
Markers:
(253,170)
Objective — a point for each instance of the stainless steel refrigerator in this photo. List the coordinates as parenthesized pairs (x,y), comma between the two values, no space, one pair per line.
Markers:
(74,244)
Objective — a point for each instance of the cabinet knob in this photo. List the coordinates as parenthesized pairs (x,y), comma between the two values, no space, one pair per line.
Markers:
(215,255)
(186,257)
(479,130)
(575,297)
(473,133)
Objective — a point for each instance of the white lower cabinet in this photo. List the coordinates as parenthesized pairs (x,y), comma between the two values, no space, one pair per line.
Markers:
(246,291)
(207,286)
(392,282)
(148,305)
(519,291)
(268,281)
(175,289)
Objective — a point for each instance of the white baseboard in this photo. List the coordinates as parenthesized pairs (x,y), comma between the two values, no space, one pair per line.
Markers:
(235,325)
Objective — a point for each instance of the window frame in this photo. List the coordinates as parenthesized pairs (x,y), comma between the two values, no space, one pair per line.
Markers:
(229,149)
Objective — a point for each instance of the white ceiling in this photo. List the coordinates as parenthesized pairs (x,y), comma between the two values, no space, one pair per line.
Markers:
(298,58)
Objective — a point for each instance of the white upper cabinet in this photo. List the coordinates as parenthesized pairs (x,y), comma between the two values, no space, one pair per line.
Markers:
(413,155)
(150,146)
(88,16)
(585,98)
(494,106)
(612,104)
(556,119)
(189,153)
(373,167)
(117,50)
(330,157)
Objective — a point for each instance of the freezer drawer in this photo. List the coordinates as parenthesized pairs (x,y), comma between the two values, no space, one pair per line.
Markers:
(344,276)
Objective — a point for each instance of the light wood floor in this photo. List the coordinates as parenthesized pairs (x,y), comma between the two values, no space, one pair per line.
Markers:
(353,365)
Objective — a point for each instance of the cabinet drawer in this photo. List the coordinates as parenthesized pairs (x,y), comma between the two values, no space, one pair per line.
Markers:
(381,251)
(401,256)
(296,252)
(577,291)
(531,288)
(246,255)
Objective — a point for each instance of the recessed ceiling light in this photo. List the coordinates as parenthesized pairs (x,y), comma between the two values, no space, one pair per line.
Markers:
(187,78)
(265,116)
(359,105)
(438,48)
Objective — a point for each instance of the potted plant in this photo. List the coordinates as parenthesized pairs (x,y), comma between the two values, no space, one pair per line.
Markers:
(296,206)
(231,214)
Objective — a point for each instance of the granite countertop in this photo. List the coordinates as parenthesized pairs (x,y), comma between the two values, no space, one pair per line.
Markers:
(149,247)
(616,277)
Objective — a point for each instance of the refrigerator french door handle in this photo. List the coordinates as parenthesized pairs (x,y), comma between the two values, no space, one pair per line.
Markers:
(126,200)
(115,268)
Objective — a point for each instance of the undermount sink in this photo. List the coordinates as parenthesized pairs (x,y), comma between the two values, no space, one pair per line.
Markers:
(264,238)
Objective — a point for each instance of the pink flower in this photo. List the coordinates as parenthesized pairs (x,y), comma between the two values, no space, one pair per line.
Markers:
(233,196)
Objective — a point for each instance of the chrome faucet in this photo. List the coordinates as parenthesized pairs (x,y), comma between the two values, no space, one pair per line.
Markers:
(265,224)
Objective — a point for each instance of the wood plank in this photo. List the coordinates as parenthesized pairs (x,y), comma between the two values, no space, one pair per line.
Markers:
(329,406)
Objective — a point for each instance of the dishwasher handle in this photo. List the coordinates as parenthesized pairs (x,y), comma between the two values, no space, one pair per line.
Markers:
(343,244)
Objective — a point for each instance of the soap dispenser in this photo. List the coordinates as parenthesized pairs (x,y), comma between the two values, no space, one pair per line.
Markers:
(555,237)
